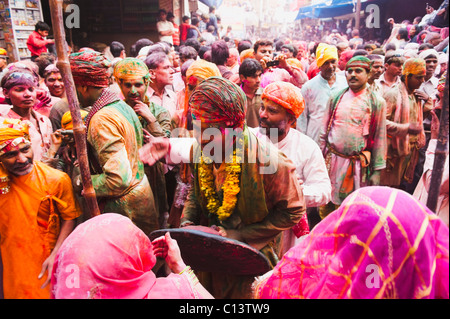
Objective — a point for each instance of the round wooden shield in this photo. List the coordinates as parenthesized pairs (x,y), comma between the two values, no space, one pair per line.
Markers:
(206,251)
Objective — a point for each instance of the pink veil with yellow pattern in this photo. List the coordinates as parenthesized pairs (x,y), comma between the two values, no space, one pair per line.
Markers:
(380,243)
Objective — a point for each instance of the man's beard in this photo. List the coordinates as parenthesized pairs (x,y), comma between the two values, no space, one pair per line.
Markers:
(266,130)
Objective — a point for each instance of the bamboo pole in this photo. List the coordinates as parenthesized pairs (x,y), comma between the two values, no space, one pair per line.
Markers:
(358,14)
(440,153)
(79,130)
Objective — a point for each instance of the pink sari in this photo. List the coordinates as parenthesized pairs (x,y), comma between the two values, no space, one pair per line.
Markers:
(109,257)
(380,243)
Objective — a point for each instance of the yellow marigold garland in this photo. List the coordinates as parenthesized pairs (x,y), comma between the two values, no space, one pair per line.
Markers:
(230,187)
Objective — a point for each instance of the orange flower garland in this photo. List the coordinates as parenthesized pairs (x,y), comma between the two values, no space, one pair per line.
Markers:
(230,187)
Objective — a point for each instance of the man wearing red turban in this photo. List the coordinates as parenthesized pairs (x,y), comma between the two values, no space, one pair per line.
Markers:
(115,135)
(251,195)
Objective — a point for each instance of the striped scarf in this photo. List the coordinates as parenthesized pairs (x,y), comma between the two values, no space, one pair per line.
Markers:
(107,97)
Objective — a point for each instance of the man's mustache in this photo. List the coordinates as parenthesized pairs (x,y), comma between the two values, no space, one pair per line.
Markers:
(22,165)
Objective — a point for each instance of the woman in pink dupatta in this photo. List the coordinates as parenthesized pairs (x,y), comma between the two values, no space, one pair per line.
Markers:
(380,243)
(108,257)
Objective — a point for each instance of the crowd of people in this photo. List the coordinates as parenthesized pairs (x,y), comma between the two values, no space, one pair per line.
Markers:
(317,154)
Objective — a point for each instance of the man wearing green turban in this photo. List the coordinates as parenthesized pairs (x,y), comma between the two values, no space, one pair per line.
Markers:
(353,138)
(133,78)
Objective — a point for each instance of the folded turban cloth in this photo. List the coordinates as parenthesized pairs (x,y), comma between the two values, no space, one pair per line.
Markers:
(131,69)
(359,62)
(427,53)
(287,95)
(411,46)
(324,53)
(201,70)
(66,120)
(294,62)
(218,100)
(12,133)
(198,71)
(407,54)
(247,54)
(90,68)
(414,66)
(443,58)
(51,68)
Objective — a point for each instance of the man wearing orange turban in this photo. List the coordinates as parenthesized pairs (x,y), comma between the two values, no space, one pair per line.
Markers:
(199,71)
(282,105)
(38,211)
(404,126)
(287,95)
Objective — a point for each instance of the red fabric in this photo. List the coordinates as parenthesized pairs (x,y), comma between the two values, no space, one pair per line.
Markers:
(302,227)
(37,44)
(313,70)
(184,28)
(90,68)
(176,35)
(345,57)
